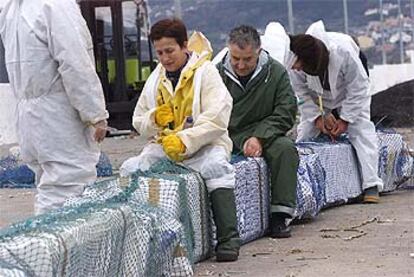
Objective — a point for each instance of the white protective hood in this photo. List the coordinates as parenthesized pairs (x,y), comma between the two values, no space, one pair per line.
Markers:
(317,29)
(276,41)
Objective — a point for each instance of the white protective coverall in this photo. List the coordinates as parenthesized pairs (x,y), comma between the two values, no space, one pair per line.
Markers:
(49,60)
(349,94)
(207,141)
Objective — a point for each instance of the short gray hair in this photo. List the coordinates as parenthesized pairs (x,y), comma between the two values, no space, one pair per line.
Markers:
(243,36)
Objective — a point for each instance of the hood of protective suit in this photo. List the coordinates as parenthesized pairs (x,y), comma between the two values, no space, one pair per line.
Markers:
(317,29)
(200,45)
(331,39)
(276,41)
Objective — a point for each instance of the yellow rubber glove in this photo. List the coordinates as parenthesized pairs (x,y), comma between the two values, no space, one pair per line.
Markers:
(163,115)
(173,147)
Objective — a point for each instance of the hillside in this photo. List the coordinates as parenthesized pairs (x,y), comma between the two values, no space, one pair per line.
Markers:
(216,18)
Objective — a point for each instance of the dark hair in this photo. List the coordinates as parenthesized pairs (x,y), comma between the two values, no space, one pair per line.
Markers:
(244,35)
(355,39)
(311,51)
(171,28)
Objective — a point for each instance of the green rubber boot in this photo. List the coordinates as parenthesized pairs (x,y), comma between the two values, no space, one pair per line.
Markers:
(224,214)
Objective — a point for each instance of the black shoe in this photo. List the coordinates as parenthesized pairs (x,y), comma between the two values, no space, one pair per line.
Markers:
(371,195)
(278,227)
(226,255)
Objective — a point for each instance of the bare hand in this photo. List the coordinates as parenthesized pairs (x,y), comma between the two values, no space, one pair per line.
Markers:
(252,147)
(330,122)
(325,124)
(340,128)
(320,125)
(100,130)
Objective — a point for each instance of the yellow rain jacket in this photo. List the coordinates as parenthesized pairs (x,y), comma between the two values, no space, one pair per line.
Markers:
(200,93)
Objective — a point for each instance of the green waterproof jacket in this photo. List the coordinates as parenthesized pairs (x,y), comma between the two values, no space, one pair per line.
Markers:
(266,108)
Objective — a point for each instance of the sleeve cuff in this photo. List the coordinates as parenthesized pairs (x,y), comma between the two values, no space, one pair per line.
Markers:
(98,118)
(346,118)
(190,148)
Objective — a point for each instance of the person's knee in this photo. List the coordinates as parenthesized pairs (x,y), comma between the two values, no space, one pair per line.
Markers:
(216,168)
(212,163)
(52,197)
(306,131)
(282,147)
(151,154)
(218,174)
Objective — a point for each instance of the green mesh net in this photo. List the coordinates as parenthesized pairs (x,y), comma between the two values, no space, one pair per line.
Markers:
(156,226)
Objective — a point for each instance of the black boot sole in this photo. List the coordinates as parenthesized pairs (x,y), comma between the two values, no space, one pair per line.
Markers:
(281,235)
(226,257)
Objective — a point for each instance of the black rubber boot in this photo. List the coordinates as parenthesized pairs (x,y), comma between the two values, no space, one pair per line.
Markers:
(224,214)
(278,227)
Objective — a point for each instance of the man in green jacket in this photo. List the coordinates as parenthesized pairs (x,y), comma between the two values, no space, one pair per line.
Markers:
(264,110)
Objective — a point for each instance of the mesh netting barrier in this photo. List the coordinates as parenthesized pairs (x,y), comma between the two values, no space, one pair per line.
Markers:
(310,192)
(395,162)
(144,230)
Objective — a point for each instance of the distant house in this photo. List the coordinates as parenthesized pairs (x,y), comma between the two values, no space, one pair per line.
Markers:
(396,38)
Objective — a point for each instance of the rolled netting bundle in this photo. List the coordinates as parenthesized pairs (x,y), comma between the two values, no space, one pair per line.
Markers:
(310,192)
(252,196)
(395,161)
(146,229)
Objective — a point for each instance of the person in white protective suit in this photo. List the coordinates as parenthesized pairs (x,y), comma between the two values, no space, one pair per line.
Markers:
(61,109)
(329,77)
(183,112)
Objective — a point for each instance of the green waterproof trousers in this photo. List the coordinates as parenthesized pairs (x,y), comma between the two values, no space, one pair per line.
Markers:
(283,160)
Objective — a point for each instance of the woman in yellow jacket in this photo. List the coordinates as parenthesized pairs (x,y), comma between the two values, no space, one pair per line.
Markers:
(184,111)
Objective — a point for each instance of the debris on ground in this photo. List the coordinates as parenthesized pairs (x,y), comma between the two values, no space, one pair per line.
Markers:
(356,236)
(312,258)
(261,254)
(353,228)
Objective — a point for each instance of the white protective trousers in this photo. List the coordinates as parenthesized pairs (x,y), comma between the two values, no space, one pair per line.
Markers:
(363,138)
(58,181)
(210,161)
